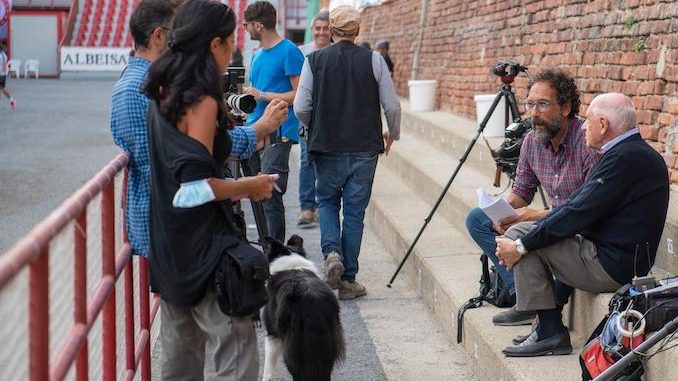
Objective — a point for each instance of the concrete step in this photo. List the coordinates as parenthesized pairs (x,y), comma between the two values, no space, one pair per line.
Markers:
(444,267)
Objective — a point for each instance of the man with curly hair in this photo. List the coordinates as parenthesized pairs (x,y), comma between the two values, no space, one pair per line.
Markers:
(554,155)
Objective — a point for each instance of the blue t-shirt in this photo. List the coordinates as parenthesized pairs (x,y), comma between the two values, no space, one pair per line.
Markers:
(270,72)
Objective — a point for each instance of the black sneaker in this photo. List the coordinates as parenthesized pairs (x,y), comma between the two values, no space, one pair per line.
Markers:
(514,317)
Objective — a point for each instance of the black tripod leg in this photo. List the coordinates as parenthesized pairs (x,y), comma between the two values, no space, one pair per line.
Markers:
(257,207)
(449,183)
(543,198)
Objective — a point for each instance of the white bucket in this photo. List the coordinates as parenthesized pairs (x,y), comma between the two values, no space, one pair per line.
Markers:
(423,95)
(495,126)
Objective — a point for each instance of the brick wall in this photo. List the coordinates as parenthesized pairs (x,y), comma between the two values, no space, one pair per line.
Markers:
(609,46)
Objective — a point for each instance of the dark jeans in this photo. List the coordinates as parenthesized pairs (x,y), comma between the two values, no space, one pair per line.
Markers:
(306,180)
(344,180)
(275,159)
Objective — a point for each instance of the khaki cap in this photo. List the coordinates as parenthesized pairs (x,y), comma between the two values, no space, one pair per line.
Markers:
(345,21)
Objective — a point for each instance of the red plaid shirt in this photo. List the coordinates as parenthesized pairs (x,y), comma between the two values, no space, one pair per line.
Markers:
(561,172)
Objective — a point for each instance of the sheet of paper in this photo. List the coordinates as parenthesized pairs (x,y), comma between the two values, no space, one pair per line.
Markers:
(496,210)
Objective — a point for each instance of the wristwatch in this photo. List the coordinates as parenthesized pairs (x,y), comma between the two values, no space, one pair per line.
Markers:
(520,248)
(262,95)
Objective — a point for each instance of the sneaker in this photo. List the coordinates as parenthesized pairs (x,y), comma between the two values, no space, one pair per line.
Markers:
(334,268)
(306,217)
(351,290)
(514,317)
(12,103)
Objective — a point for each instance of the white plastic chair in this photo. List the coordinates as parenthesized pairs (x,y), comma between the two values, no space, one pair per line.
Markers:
(32,66)
(13,66)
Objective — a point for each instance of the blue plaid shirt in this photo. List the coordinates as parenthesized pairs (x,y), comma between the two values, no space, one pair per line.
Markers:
(128,126)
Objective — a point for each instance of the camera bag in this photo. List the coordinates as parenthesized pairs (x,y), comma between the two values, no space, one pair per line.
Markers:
(240,280)
(492,290)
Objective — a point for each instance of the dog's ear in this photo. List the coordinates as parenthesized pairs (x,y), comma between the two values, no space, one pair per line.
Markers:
(296,241)
(296,244)
(272,247)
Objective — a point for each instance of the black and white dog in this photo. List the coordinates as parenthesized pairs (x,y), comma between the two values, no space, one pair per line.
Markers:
(302,315)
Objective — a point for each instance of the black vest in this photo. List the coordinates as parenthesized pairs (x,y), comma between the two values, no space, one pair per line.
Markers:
(346,110)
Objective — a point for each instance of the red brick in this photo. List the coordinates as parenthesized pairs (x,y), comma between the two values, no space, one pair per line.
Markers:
(633,58)
(672,108)
(659,147)
(663,134)
(654,102)
(665,119)
(670,160)
(674,176)
(674,146)
(649,132)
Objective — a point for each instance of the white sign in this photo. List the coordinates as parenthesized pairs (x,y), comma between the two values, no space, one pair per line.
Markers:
(77,58)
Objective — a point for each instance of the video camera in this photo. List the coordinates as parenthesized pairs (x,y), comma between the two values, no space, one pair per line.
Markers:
(233,80)
(513,68)
(507,154)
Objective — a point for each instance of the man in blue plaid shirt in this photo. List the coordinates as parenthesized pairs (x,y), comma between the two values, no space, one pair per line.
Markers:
(150,24)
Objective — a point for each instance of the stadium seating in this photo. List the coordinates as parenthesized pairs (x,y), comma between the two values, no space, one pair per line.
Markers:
(103,23)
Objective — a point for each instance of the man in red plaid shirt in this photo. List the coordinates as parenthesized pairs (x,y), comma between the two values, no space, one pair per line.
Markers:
(554,155)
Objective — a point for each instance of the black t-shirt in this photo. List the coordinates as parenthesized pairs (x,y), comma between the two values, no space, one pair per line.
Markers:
(186,243)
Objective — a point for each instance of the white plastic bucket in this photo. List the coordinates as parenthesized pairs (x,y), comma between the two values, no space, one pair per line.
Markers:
(423,95)
(495,126)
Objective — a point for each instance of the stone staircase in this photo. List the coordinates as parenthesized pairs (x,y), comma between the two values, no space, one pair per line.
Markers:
(445,263)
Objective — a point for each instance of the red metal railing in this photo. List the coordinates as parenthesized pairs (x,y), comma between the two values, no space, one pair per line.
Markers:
(33,252)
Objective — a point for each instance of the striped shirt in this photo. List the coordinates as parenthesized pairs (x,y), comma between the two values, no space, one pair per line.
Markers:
(129,108)
(561,172)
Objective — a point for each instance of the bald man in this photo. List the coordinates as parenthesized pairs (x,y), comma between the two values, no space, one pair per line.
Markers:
(605,235)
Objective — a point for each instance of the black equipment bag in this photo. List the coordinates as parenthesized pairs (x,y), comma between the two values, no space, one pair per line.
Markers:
(492,290)
(240,280)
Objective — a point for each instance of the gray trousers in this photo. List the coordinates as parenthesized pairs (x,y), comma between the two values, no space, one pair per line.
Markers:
(574,261)
(202,343)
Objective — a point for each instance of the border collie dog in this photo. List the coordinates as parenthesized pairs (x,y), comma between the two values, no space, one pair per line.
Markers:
(302,315)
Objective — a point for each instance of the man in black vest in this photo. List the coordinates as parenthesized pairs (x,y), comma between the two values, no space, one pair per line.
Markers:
(340,93)
(606,234)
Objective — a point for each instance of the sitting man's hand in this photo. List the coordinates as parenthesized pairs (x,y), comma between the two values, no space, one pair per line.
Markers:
(524,214)
(506,252)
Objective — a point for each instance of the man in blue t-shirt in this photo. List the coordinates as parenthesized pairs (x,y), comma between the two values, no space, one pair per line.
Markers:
(274,74)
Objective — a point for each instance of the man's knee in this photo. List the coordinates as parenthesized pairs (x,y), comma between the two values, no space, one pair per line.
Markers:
(520,229)
(477,220)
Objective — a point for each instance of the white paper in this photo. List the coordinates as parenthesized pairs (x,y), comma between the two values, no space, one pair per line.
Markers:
(496,210)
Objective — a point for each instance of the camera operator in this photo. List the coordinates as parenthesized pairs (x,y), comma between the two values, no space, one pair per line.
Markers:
(554,155)
(149,25)
(274,74)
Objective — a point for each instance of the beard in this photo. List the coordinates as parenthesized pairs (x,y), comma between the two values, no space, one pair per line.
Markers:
(544,130)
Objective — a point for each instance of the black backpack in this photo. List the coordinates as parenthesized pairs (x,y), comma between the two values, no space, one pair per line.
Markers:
(492,290)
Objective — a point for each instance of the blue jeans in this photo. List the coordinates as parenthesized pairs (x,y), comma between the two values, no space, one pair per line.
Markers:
(344,180)
(481,230)
(306,180)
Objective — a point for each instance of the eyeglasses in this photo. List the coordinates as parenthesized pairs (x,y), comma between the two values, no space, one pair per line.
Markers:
(540,105)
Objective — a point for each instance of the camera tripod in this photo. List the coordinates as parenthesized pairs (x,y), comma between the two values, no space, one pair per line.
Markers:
(510,106)
(242,166)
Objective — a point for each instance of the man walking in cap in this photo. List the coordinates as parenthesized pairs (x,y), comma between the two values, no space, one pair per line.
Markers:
(341,89)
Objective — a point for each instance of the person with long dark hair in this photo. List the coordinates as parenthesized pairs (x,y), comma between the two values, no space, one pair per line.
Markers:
(191,207)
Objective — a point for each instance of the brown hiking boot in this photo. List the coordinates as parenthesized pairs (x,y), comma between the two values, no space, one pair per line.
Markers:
(306,217)
(351,290)
(334,268)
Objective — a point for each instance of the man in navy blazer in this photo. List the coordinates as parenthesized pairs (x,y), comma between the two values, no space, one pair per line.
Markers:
(605,235)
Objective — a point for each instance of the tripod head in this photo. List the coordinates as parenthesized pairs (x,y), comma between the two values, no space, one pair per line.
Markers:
(508,70)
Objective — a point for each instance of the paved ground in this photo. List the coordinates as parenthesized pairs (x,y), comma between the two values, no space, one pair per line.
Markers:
(58,138)
(55,140)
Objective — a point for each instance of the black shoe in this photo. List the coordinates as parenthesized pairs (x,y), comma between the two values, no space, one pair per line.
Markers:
(514,317)
(555,345)
(520,338)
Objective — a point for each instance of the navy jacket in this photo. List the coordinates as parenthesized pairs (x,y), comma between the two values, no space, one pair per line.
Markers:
(621,208)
